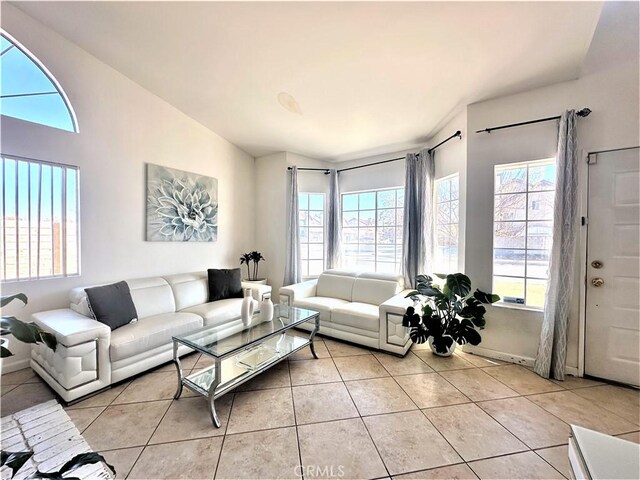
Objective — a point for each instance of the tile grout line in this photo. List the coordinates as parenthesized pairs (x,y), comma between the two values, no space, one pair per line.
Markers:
(224,436)
(295,421)
(364,424)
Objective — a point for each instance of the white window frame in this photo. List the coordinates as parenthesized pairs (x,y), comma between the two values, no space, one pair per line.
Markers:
(35,225)
(436,223)
(308,243)
(526,221)
(398,257)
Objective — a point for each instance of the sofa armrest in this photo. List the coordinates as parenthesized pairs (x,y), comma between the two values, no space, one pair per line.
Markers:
(80,364)
(394,337)
(299,291)
(257,291)
(397,304)
(71,328)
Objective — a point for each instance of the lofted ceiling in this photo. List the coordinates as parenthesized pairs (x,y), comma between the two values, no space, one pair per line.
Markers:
(332,81)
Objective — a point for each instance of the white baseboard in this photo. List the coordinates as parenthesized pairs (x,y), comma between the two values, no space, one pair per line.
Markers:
(14,366)
(496,355)
(508,357)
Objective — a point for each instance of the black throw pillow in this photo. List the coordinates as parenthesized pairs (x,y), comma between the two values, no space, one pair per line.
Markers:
(224,283)
(112,304)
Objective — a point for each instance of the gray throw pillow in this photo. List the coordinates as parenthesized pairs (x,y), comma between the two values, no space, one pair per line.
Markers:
(112,304)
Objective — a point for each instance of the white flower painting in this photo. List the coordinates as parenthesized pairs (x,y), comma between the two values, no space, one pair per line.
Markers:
(181,206)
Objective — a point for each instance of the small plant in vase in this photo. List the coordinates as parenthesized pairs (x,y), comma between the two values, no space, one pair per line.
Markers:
(449,316)
(247,259)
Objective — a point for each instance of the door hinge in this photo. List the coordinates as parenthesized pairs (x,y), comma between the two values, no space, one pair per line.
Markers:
(584,221)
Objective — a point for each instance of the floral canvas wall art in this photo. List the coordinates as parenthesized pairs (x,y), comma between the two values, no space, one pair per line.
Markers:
(181,206)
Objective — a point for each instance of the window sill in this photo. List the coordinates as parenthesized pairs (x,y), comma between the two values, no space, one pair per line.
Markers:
(515,306)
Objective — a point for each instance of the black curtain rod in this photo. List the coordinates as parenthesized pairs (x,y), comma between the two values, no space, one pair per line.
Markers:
(326,170)
(611,150)
(581,113)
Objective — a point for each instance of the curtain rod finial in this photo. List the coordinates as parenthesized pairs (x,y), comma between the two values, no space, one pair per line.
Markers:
(584,112)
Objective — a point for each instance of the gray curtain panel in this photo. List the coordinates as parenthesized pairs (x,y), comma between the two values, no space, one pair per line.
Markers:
(292,269)
(417,225)
(552,349)
(333,221)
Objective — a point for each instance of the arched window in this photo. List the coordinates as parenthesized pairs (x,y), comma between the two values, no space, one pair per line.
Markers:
(28,90)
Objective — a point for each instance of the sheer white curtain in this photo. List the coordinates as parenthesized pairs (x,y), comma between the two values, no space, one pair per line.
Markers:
(418,213)
(552,349)
(333,221)
(292,270)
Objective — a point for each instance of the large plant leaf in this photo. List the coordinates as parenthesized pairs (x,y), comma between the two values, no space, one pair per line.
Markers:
(427,290)
(473,308)
(464,332)
(28,332)
(9,298)
(15,460)
(459,284)
(486,297)
(76,462)
(423,279)
(4,352)
(443,276)
(19,329)
(411,318)
(441,301)
(419,334)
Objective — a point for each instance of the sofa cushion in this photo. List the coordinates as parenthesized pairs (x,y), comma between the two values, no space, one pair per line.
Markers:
(336,284)
(358,315)
(189,289)
(152,296)
(112,304)
(324,305)
(218,312)
(224,283)
(151,332)
(375,288)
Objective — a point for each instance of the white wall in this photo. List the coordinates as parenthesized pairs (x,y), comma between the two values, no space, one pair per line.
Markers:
(122,127)
(612,95)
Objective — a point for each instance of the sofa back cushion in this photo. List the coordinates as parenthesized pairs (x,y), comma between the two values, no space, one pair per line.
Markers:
(151,296)
(189,289)
(376,288)
(336,284)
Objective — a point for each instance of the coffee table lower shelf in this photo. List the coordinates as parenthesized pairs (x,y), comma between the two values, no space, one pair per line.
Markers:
(227,373)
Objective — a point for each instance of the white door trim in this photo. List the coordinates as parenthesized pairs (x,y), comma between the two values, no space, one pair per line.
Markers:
(583,180)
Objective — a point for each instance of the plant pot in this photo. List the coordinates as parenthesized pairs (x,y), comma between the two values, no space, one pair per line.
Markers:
(260,281)
(449,350)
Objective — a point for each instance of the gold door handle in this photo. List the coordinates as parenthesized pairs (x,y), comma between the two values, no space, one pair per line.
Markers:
(597,282)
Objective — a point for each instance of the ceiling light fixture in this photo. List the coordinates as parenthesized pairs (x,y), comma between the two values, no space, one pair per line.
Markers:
(289,103)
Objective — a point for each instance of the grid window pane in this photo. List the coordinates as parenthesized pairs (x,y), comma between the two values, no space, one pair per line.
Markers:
(40,220)
(311,212)
(446,224)
(523,231)
(372,230)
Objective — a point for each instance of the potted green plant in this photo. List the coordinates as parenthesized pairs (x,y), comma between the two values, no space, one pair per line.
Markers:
(448,316)
(254,258)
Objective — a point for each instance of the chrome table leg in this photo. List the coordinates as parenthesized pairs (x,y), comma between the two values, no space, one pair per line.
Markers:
(176,361)
(313,334)
(212,394)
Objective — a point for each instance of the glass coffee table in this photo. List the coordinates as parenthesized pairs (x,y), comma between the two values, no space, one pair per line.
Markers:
(242,355)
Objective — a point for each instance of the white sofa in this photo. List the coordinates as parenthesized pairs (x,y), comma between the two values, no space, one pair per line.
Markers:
(91,357)
(363,308)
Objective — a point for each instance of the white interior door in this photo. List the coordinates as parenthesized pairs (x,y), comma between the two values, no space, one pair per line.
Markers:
(612,334)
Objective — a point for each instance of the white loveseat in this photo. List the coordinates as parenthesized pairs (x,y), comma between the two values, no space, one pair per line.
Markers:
(363,308)
(91,357)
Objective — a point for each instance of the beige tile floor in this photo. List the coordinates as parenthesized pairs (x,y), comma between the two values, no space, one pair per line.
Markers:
(352,414)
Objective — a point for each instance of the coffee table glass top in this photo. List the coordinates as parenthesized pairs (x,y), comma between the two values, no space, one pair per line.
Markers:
(218,344)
